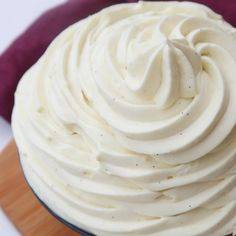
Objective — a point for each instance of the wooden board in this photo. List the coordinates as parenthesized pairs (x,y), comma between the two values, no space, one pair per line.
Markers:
(20,204)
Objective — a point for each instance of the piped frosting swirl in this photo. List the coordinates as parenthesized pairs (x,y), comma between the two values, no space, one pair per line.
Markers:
(126,125)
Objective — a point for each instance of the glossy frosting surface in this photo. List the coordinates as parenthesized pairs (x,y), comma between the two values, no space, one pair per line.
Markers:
(126,125)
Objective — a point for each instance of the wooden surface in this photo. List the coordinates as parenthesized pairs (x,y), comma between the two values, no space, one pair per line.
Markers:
(20,204)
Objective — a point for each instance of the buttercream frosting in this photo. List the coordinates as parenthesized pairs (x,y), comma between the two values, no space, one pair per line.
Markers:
(126,125)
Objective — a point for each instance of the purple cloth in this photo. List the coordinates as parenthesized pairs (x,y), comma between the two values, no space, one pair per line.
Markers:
(29,46)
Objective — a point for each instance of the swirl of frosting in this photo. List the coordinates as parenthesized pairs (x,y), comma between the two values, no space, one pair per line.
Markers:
(126,125)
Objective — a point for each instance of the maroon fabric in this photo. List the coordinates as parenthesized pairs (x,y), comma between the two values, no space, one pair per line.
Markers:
(29,46)
(226,8)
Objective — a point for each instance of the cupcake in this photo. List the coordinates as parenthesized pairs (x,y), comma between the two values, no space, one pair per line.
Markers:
(126,125)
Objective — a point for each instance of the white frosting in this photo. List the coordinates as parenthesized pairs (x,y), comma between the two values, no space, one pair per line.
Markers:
(126,125)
